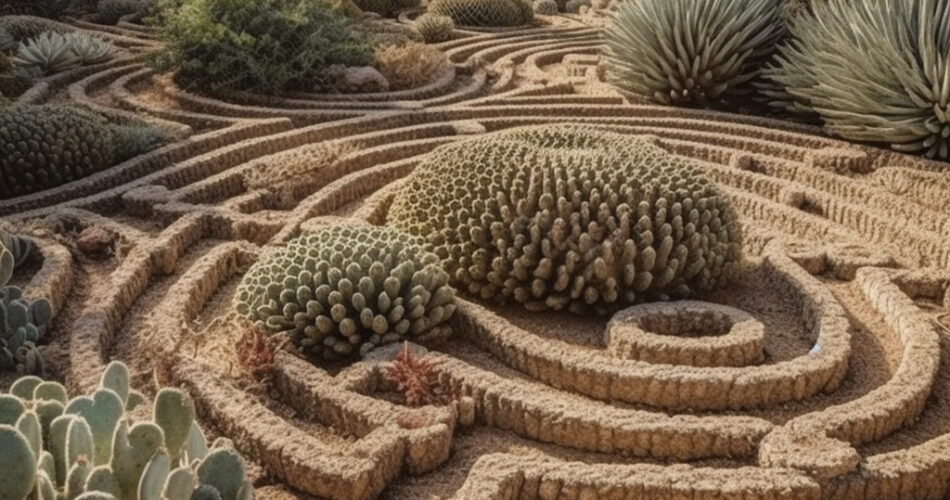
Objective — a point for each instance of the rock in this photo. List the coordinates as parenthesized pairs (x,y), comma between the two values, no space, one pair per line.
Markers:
(95,241)
(359,79)
(388,352)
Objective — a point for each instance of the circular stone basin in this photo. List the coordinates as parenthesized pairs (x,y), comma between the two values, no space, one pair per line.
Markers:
(688,333)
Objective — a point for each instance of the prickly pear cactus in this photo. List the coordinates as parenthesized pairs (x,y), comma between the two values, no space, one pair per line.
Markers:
(88,448)
(22,322)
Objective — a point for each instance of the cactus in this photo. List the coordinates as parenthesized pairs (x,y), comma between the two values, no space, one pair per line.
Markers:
(435,28)
(58,459)
(44,146)
(22,322)
(174,413)
(346,289)
(17,463)
(569,217)
(497,13)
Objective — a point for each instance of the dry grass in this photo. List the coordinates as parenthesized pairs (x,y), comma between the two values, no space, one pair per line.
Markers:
(410,65)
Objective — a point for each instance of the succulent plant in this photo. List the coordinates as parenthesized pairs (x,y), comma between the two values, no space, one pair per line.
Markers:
(435,28)
(88,447)
(691,52)
(569,217)
(497,13)
(44,146)
(872,71)
(89,49)
(22,322)
(45,54)
(343,290)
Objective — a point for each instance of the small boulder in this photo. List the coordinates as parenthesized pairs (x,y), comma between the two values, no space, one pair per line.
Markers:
(95,241)
(359,79)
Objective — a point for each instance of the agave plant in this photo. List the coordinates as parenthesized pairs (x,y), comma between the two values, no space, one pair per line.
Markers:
(89,49)
(691,52)
(45,54)
(872,70)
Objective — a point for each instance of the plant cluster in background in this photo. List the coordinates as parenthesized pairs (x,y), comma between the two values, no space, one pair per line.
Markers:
(875,71)
(266,46)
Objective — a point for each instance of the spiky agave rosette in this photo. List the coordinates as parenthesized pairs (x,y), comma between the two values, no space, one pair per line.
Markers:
(872,71)
(691,52)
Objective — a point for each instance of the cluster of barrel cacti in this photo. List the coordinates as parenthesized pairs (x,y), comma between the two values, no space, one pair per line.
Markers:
(87,447)
(492,13)
(23,322)
(343,290)
(569,217)
(44,146)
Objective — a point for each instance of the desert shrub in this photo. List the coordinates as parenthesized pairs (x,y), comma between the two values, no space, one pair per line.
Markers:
(872,71)
(92,447)
(691,52)
(382,33)
(45,146)
(410,65)
(342,290)
(497,13)
(569,217)
(435,28)
(259,45)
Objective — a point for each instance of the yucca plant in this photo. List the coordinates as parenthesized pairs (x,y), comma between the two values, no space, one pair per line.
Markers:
(45,54)
(691,52)
(872,70)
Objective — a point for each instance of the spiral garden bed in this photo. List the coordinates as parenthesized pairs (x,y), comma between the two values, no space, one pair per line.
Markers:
(820,371)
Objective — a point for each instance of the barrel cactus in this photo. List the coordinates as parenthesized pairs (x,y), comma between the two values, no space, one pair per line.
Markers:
(88,447)
(342,290)
(23,322)
(691,52)
(48,145)
(490,13)
(435,28)
(872,71)
(569,217)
